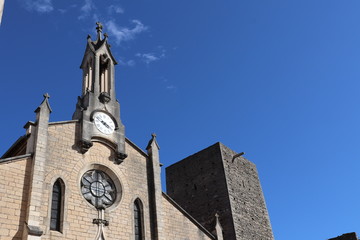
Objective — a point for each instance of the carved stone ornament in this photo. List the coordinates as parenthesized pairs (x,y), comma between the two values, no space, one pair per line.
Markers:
(104,97)
(85,145)
(99,221)
(120,157)
(34,230)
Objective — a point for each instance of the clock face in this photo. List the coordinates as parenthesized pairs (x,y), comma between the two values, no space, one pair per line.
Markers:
(104,123)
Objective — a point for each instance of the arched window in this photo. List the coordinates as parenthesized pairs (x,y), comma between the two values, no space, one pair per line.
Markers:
(138,220)
(57,205)
(104,74)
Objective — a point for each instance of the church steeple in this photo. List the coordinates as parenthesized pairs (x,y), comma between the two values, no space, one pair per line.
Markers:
(98,67)
(97,108)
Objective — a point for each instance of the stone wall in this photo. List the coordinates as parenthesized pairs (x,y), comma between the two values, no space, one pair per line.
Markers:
(198,184)
(178,225)
(14,186)
(63,160)
(210,182)
(250,215)
(346,236)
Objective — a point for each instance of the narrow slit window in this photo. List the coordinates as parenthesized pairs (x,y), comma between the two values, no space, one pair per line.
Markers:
(138,220)
(57,206)
(104,74)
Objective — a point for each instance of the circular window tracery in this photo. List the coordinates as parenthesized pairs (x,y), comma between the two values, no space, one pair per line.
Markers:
(98,189)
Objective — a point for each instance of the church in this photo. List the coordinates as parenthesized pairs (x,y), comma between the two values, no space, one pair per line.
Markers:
(84,179)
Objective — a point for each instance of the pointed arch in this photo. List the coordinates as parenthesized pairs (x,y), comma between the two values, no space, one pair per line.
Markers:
(87,68)
(90,75)
(57,205)
(138,220)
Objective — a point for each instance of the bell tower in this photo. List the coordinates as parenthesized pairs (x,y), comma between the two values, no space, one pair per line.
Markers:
(97,109)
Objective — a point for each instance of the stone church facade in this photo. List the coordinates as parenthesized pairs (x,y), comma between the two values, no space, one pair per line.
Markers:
(83,179)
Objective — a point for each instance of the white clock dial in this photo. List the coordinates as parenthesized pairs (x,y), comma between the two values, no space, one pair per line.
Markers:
(104,123)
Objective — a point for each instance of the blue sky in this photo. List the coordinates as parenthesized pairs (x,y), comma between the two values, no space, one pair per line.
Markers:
(276,79)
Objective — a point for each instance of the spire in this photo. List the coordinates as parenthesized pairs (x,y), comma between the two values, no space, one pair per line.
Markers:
(99,97)
(153,140)
(99,30)
(33,226)
(155,187)
(99,42)
(45,102)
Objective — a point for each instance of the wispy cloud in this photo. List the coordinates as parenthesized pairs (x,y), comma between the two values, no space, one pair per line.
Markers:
(61,10)
(41,6)
(168,86)
(115,9)
(123,34)
(86,9)
(129,63)
(147,57)
(152,57)
(95,17)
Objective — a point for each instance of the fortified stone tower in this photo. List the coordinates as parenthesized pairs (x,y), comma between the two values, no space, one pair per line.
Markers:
(220,181)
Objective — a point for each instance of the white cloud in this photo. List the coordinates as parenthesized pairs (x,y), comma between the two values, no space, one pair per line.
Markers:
(88,6)
(129,63)
(147,57)
(167,84)
(86,9)
(125,34)
(41,6)
(95,17)
(115,9)
(152,57)
(162,51)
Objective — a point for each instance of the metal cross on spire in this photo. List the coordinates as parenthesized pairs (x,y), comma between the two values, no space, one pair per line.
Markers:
(46,96)
(99,29)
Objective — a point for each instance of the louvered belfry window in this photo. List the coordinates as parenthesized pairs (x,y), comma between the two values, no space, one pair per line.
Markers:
(56,206)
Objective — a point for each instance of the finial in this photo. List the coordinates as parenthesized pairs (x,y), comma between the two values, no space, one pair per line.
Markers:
(152,140)
(46,96)
(45,102)
(99,29)
(106,35)
(99,26)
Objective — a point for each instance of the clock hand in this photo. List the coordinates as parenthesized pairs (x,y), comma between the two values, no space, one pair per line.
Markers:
(105,124)
(98,118)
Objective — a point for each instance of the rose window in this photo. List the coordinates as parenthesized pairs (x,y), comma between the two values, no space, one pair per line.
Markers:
(98,189)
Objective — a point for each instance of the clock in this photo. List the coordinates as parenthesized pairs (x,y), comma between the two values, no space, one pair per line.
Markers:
(104,123)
